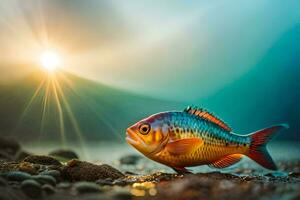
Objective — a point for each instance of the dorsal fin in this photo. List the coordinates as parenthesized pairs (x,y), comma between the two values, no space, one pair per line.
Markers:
(207,116)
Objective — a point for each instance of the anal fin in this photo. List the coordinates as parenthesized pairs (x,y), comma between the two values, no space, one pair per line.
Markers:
(227,161)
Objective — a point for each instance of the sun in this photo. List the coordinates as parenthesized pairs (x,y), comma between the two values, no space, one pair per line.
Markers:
(50,60)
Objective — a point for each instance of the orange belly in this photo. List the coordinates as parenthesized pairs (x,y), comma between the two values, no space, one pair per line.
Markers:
(203,155)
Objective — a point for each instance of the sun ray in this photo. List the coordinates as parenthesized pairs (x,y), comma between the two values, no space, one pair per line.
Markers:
(60,114)
(29,104)
(72,118)
(45,106)
(32,99)
(100,116)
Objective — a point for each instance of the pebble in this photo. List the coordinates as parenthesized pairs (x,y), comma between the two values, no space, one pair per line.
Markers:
(294,174)
(45,179)
(76,170)
(86,187)
(28,167)
(49,189)
(129,160)
(31,188)
(18,176)
(64,185)
(63,153)
(105,182)
(122,196)
(54,173)
(42,160)
(277,174)
(119,182)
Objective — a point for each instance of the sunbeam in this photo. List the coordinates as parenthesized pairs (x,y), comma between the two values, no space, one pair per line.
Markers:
(89,104)
(60,114)
(71,117)
(45,106)
(54,105)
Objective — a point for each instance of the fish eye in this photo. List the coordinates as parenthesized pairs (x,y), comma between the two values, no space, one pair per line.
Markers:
(144,129)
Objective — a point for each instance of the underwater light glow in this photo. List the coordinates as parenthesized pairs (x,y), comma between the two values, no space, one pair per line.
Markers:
(50,60)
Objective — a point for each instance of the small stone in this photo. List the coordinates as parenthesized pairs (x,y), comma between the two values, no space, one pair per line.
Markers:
(120,182)
(64,185)
(28,167)
(17,176)
(45,179)
(130,173)
(104,182)
(64,154)
(294,174)
(83,171)
(130,159)
(31,188)
(122,196)
(277,174)
(54,173)
(49,189)
(42,160)
(86,187)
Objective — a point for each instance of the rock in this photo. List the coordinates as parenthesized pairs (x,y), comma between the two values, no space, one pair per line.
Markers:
(49,189)
(294,174)
(130,173)
(277,174)
(31,188)
(54,173)
(84,171)
(122,195)
(18,176)
(120,182)
(86,187)
(21,155)
(42,160)
(64,185)
(2,182)
(9,145)
(107,181)
(22,166)
(28,167)
(64,154)
(45,179)
(130,159)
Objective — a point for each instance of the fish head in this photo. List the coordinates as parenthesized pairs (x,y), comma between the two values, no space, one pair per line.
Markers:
(150,135)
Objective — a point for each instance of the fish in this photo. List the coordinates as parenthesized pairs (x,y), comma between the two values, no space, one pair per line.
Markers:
(194,137)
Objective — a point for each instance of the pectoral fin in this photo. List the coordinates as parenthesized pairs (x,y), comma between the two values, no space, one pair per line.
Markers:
(227,161)
(183,146)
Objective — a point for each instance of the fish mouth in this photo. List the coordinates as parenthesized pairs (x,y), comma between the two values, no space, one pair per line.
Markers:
(132,138)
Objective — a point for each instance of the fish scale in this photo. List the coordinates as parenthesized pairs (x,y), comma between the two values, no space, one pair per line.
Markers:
(214,137)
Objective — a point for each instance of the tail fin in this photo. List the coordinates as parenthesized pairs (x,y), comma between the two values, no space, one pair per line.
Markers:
(258,151)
